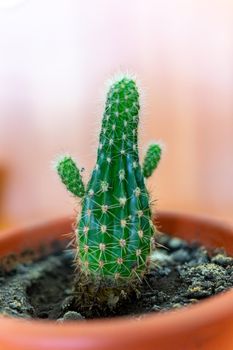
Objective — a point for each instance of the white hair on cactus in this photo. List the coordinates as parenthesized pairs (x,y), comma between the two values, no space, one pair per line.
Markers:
(59,159)
(160,143)
(119,76)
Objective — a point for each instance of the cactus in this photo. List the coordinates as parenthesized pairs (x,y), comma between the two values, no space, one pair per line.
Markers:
(115,229)
(70,176)
(151,160)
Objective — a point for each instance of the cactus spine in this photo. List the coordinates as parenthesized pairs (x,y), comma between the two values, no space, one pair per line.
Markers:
(114,229)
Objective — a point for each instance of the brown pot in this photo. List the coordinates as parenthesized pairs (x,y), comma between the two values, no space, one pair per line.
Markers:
(206,325)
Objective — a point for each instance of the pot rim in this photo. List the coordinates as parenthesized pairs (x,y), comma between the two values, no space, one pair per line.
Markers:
(216,308)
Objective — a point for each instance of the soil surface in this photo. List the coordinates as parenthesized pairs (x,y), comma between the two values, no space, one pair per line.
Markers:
(180,274)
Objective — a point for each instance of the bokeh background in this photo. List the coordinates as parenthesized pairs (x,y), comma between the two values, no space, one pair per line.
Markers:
(55,56)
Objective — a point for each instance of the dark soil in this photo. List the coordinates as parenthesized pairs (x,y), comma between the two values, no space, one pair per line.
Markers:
(180,274)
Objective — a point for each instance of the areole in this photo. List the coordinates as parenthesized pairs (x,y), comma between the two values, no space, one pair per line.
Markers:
(206,325)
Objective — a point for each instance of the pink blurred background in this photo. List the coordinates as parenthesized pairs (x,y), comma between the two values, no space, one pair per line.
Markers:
(55,56)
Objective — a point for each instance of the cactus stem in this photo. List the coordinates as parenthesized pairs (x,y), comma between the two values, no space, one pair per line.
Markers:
(114,232)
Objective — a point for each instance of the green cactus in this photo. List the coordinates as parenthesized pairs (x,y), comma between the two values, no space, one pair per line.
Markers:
(152,159)
(115,228)
(70,176)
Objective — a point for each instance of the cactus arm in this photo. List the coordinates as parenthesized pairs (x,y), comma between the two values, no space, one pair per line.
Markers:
(70,176)
(151,160)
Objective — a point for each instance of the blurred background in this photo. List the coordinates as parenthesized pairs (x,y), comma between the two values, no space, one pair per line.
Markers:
(55,56)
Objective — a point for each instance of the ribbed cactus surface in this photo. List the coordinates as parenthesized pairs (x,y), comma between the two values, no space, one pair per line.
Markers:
(115,227)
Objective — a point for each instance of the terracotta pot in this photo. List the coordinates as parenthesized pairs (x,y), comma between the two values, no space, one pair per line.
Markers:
(206,325)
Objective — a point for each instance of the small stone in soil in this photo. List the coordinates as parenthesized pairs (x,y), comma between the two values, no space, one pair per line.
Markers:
(197,292)
(222,260)
(199,256)
(181,255)
(155,308)
(176,243)
(71,316)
